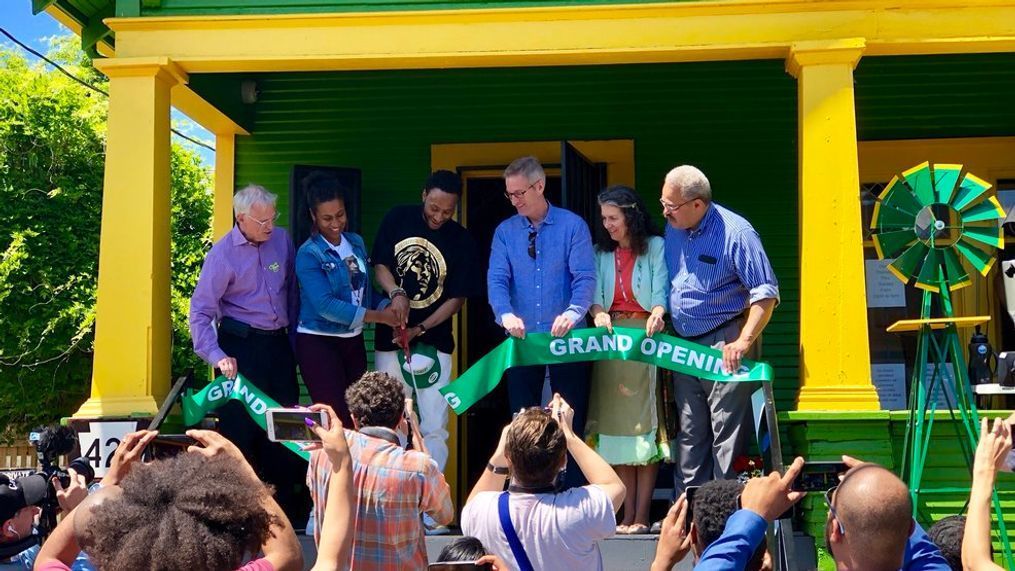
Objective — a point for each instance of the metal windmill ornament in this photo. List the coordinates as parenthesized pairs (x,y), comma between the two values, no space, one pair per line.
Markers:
(937,222)
(931,219)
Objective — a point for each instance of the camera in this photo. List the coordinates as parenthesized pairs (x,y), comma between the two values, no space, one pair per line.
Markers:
(50,443)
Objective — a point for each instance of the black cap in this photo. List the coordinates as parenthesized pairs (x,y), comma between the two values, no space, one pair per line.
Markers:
(21,493)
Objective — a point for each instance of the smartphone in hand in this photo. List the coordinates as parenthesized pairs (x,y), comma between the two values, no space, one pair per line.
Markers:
(290,424)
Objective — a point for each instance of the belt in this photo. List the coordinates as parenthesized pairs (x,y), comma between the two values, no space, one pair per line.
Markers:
(711,331)
(629,314)
(241,329)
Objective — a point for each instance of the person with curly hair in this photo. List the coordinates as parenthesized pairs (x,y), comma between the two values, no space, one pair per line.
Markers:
(203,509)
(394,486)
(630,292)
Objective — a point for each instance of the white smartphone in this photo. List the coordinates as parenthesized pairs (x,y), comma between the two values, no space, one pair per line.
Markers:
(290,424)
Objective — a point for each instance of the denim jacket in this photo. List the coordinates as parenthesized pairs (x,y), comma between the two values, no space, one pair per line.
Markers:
(325,293)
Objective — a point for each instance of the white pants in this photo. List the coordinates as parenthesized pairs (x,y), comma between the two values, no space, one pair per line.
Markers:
(433,409)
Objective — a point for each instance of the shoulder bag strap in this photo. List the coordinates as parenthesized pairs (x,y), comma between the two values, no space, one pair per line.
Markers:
(512,537)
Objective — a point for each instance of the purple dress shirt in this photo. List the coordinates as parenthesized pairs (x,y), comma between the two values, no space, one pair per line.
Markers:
(251,283)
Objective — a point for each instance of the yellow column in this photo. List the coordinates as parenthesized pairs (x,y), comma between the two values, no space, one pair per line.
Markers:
(225,183)
(834,349)
(133,332)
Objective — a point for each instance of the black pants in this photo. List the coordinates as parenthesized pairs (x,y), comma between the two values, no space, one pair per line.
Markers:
(329,366)
(267,361)
(571,380)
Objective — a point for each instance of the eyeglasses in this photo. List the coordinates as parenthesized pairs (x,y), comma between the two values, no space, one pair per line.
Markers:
(265,223)
(520,193)
(831,508)
(532,244)
(667,207)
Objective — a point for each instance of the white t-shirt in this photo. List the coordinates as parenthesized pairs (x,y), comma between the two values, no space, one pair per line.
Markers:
(357,276)
(558,531)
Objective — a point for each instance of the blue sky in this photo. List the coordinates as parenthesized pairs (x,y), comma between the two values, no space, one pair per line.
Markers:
(16,17)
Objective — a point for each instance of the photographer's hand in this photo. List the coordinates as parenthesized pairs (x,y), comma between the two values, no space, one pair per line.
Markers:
(128,452)
(214,444)
(73,494)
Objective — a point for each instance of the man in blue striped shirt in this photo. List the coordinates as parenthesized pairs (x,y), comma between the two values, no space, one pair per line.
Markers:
(722,293)
(541,277)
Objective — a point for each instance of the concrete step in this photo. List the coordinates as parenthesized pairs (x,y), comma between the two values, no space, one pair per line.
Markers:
(620,553)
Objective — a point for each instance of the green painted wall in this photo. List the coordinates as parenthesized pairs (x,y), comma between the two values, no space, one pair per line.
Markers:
(736,121)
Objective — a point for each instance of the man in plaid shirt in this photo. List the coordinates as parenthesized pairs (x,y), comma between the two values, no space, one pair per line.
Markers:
(394,486)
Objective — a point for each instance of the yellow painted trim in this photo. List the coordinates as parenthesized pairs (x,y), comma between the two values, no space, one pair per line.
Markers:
(203,113)
(936,323)
(980,181)
(1000,212)
(927,287)
(960,285)
(73,25)
(824,52)
(225,184)
(877,242)
(902,277)
(131,366)
(564,35)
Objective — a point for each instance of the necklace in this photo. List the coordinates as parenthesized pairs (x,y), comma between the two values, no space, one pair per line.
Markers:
(620,274)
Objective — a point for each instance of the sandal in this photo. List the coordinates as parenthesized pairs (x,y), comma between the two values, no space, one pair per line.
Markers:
(622,529)
(637,529)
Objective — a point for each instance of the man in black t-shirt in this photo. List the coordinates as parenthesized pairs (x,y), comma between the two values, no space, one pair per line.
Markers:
(426,263)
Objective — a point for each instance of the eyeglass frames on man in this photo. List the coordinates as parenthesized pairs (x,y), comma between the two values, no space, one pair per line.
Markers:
(520,193)
(532,244)
(831,508)
(264,223)
(667,207)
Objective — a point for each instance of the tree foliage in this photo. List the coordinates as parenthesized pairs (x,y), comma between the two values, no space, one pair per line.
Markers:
(52,153)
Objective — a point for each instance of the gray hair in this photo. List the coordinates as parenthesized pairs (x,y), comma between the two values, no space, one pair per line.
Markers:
(691,183)
(250,195)
(528,166)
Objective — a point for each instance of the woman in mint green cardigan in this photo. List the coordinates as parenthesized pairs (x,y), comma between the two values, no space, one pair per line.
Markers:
(630,292)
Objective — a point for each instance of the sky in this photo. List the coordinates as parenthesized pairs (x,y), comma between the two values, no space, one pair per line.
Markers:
(16,17)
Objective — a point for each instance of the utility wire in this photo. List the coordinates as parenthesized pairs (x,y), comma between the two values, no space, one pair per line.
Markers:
(88,85)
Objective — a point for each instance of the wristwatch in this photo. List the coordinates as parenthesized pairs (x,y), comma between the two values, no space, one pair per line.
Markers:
(499,470)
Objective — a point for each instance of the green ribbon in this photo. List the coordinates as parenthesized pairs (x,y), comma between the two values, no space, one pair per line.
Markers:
(222,390)
(595,344)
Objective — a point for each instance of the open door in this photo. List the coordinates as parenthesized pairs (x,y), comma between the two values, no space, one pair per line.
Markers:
(580,183)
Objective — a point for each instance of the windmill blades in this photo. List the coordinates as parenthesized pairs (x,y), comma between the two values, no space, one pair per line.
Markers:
(970,189)
(906,265)
(890,244)
(930,274)
(946,177)
(955,273)
(888,217)
(989,235)
(920,181)
(976,257)
(987,210)
(897,198)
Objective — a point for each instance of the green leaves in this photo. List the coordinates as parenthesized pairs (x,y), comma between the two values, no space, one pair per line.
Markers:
(52,152)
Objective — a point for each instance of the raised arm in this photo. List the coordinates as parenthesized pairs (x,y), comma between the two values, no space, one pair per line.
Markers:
(991,453)
(596,470)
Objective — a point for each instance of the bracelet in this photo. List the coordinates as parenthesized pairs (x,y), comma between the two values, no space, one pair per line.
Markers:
(422,328)
(397,292)
(499,470)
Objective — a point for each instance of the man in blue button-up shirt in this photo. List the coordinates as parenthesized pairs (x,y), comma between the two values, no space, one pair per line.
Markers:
(722,293)
(541,277)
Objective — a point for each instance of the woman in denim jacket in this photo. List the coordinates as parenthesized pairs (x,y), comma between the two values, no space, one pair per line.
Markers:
(336,299)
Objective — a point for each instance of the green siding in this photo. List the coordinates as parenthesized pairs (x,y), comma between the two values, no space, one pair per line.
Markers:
(736,121)
(914,97)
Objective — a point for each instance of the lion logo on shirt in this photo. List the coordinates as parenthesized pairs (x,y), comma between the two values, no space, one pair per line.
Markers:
(420,269)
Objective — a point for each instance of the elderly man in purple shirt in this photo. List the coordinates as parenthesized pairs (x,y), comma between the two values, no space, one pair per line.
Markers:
(239,315)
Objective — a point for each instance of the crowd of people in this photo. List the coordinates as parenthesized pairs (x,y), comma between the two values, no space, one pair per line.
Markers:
(564,475)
